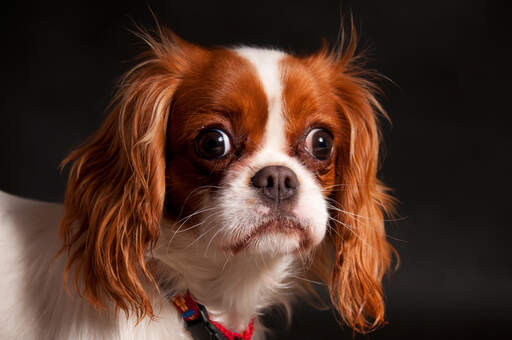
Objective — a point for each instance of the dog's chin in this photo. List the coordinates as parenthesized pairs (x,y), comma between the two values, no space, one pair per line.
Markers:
(274,237)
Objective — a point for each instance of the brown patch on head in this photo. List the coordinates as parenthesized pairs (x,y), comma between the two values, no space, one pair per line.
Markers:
(142,162)
(334,88)
(308,103)
(221,90)
(116,187)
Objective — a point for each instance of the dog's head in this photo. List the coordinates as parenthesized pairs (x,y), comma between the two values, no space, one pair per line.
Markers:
(267,152)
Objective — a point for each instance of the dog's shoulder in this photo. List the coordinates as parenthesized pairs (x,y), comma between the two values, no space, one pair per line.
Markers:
(26,223)
(28,245)
(34,303)
(16,211)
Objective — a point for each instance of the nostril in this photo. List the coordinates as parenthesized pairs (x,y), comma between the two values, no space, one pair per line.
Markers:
(288,178)
(266,177)
(290,182)
(277,183)
(260,180)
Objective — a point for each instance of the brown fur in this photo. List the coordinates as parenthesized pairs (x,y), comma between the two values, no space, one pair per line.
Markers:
(362,254)
(120,178)
(116,187)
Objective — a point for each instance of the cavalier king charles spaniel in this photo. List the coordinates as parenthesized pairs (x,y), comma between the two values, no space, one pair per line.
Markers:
(222,181)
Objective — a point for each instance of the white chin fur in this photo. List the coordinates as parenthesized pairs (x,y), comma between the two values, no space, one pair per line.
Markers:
(240,211)
(275,244)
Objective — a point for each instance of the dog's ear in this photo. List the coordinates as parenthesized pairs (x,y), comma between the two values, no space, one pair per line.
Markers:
(362,254)
(116,186)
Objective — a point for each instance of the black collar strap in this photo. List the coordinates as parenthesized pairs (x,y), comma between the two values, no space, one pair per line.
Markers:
(199,324)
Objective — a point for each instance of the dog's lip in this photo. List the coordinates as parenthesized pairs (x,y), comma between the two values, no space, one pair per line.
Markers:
(278,224)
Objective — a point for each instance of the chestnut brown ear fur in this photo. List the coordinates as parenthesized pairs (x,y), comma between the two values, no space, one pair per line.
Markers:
(361,253)
(116,186)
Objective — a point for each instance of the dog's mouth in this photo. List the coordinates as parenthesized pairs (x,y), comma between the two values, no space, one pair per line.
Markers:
(284,227)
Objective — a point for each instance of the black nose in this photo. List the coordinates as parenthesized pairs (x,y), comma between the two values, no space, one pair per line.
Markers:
(277,183)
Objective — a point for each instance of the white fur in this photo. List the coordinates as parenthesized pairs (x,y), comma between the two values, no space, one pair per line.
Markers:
(234,288)
(311,208)
(34,303)
(267,65)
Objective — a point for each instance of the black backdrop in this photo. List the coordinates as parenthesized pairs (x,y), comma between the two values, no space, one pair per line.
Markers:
(447,151)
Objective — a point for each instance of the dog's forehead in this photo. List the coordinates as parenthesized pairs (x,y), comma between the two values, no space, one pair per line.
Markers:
(267,64)
(297,95)
(268,67)
(268,97)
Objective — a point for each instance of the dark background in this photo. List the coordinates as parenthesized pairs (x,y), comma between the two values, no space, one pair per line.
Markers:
(447,151)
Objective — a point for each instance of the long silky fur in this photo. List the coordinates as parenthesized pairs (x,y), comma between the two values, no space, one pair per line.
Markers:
(114,202)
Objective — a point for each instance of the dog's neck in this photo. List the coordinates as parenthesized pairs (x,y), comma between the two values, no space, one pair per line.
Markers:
(234,288)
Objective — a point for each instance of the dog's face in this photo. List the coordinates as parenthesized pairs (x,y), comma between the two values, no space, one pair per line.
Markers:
(252,146)
(256,151)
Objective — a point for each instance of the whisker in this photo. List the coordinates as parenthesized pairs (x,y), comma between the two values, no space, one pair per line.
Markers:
(185,220)
(200,223)
(335,231)
(225,263)
(200,237)
(368,224)
(331,187)
(211,240)
(308,280)
(356,216)
(351,213)
(196,191)
(353,231)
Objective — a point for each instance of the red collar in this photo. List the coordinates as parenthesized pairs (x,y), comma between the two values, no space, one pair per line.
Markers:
(201,326)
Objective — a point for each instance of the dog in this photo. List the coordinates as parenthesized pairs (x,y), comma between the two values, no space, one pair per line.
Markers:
(223,181)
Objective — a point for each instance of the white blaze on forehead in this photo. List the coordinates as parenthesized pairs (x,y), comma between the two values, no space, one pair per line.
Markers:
(310,208)
(266,62)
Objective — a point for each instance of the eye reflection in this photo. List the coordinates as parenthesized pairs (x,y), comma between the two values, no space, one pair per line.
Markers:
(319,144)
(212,144)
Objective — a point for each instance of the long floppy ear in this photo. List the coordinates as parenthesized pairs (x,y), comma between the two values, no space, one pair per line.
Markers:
(362,254)
(116,186)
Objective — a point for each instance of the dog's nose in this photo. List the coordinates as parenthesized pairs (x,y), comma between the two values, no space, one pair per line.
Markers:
(277,183)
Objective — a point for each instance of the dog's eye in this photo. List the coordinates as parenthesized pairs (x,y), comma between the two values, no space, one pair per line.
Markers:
(319,144)
(212,144)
